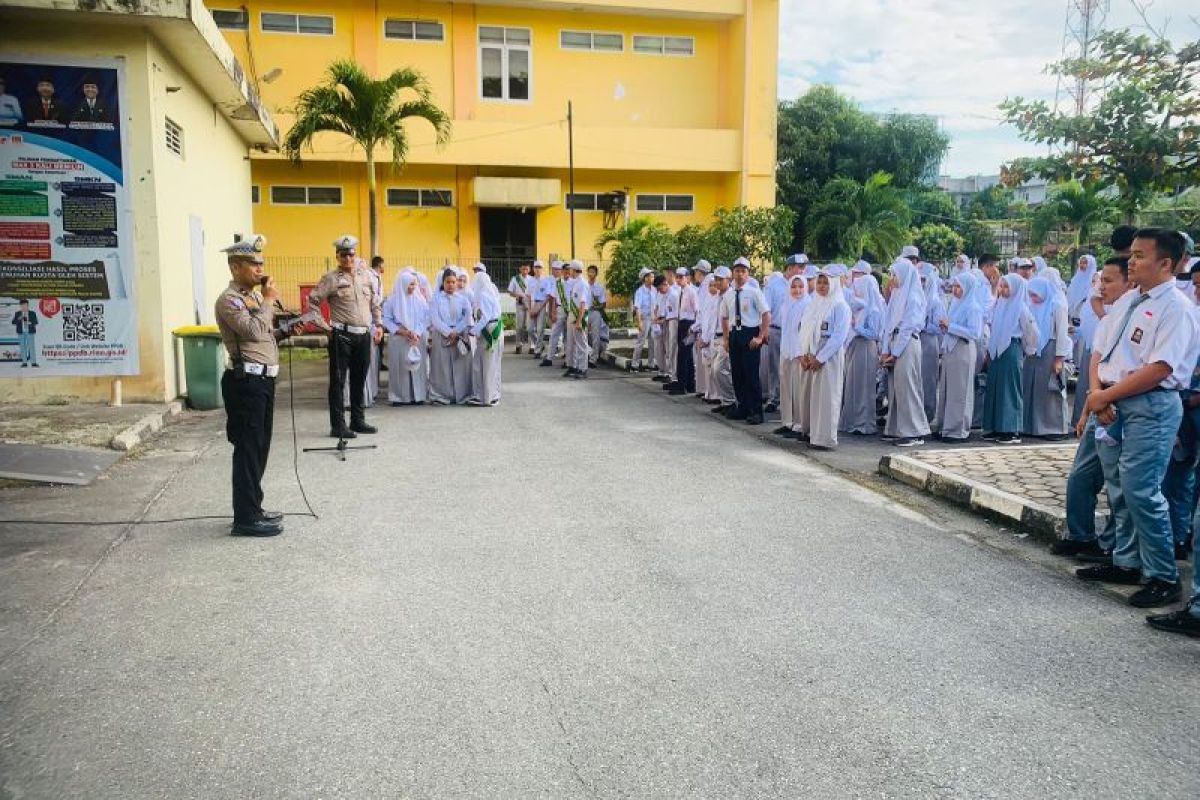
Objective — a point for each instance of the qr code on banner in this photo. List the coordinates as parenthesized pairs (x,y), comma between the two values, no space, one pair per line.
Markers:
(83,322)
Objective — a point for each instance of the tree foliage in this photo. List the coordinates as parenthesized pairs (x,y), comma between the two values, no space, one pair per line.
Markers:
(853,220)
(759,234)
(644,243)
(991,203)
(370,112)
(1073,208)
(978,238)
(823,135)
(1144,135)
(937,242)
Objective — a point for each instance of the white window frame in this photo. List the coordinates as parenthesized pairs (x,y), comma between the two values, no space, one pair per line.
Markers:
(663,52)
(245,18)
(414,21)
(664,210)
(306,203)
(504,73)
(421,191)
(171,126)
(297,14)
(595,201)
(592,47)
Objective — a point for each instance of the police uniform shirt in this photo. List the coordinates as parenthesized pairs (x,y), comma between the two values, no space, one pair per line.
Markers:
(247,325)
(753,302)
(1148,328)
(351,295)
(688,300)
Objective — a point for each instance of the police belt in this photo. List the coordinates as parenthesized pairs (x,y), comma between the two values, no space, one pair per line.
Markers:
(251,368)
(354,329)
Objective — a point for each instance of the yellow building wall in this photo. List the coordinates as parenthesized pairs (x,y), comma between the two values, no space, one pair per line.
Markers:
(157,193)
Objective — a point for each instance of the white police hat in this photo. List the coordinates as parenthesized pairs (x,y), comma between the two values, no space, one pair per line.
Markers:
(910,251)
(249,246)
(722,272)
(702,266)
(344,243)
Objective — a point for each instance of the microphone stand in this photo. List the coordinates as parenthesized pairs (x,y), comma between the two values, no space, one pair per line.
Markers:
(341,447)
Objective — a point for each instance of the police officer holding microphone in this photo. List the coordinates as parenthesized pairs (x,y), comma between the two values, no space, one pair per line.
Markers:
(245,316)
(353,306)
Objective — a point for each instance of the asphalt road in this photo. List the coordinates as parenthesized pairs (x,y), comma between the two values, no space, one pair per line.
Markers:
(580,593)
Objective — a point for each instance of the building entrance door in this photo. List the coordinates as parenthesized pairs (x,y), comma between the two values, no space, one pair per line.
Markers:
(507,239)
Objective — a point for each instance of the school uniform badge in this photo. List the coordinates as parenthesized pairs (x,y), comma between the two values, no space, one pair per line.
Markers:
(1136,336)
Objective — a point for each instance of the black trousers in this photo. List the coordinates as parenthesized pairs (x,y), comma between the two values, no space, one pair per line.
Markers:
(743,363)
(249,418)
(349,354)
(685,361)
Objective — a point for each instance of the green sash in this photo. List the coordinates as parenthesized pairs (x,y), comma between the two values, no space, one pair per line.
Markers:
(493,333)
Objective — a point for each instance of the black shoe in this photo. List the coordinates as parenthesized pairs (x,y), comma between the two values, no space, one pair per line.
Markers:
(23,365)
(1110,574)
(546,363)
(771,408)
(362,427)
(676,392)
(953,439)
(719,409)
(579,376)
(1071,547)
(260,527)
(782,430)
(791,434)
(1183,552)
(734,414)
(35,364)
(396,403)
(1056,437)
(569,373)
(272,516)
(886,438)
(1101,556)
(1181,621)
(1155,593)
(660,378)
(1007,438)
(342,433)
(989,436)
(754,419)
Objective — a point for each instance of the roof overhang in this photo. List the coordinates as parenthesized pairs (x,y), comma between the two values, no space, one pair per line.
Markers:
(187,30)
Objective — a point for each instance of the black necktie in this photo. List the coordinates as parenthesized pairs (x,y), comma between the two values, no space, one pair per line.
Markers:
(737,309)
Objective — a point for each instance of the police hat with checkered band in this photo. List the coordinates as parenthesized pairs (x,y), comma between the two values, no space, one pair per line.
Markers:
(249,247)
(345,244)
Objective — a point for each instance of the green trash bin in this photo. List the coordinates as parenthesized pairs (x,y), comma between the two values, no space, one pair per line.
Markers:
(203,364)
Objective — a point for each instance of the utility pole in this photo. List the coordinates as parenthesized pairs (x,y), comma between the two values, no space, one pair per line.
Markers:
(571,172)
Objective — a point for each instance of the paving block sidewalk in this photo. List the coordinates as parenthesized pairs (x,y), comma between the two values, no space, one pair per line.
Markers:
(1023,484)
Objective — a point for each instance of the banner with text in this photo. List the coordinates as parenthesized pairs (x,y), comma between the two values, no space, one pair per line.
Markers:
(67,303)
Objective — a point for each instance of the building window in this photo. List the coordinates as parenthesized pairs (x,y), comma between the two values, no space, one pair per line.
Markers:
(413,30)
(254,197)
(504,61)
(233,20)
(582,201)
(306,195)
(297,23)
(585,40)
(174,137)
(420,198)
(666,202)
(665,45)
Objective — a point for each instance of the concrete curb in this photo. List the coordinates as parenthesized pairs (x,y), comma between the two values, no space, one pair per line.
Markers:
(1045,523)
(141,430)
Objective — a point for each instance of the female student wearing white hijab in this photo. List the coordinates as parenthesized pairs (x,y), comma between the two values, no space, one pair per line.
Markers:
(791,312)
(900,352)
(450,353)
(406,317)
(1085,334)
(931,336)
(984,299)
(1013,335)
(862,357)
(1043,376)
(488,331)
(962,329)
(823,330)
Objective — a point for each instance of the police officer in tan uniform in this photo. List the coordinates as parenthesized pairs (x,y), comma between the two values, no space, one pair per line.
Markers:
(245,315)
(353,306)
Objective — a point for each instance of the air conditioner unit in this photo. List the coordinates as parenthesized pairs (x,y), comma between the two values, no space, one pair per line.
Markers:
(611,202)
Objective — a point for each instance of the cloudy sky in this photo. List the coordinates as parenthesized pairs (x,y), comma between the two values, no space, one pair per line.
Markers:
(956,59)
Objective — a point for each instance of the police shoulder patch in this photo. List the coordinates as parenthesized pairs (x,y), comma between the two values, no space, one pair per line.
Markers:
(236,303)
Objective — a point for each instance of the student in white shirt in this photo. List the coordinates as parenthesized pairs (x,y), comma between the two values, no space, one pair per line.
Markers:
(518,289)
(643,312)
(745,321)
(1142,361)
(597,324)
(578,303)
(539,310)
(685,368)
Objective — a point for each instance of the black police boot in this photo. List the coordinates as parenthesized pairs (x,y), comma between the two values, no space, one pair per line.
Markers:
(272,516)
(342,433)
(259,527)
(361,426)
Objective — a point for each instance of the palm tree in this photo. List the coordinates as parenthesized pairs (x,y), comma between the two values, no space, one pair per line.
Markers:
(1076,207)
(371,112)
(851,218)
